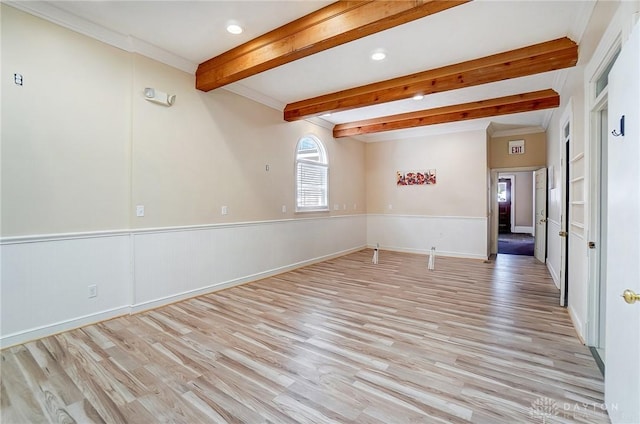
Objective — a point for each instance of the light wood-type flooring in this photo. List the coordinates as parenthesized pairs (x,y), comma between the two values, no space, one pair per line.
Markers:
(336,342)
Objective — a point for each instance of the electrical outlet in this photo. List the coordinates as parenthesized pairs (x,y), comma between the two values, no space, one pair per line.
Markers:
(336,207)
(17,79)
(93,291)
(140,210)
(390,206)
(284,208)
(224,210)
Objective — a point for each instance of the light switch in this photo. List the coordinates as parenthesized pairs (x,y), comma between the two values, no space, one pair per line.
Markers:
(140,210)
(224,210)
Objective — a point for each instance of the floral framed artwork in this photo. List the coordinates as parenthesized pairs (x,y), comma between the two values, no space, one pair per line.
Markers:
(408,178)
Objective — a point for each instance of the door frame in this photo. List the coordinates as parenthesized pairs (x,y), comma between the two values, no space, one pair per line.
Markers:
(609,46)
(493,230)
(543,216)
(565,208)
(596,258)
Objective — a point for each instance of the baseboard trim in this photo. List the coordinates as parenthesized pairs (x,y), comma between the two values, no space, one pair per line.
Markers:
(523,230)
(554,275)
(577,324)
(156,303)
(61,327)
(598,359)
(72,324)
(427,251)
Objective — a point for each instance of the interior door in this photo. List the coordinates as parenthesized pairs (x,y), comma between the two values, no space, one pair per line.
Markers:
(540,248)
(504,205)
(622,382)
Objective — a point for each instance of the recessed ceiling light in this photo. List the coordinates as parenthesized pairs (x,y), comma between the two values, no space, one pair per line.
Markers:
(418,97)
(234,29)
(378,55)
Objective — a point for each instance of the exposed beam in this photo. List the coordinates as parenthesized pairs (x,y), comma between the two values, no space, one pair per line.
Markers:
(537,100)
(328,27)
(537,58)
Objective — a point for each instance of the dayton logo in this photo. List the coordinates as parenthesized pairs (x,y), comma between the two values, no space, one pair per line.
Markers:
(543,408)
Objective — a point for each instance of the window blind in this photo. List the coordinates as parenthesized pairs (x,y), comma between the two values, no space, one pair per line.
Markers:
(311,186)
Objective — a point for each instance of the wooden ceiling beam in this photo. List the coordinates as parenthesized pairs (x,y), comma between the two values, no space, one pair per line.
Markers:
(331,26)
(543,57)
(527,102)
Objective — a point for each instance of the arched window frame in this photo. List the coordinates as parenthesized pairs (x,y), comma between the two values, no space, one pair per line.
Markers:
(312,175)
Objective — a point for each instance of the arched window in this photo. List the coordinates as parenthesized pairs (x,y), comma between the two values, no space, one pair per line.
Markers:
(312,174)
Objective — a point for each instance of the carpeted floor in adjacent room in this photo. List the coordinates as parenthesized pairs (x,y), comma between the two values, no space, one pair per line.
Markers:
(516,244)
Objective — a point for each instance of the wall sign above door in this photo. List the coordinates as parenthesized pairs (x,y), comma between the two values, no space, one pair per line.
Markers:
(516,147)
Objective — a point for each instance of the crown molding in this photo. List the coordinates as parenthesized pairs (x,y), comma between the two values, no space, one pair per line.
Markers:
(156,53)
(579,25)
(256,96)
(547,118)
(83,26)
(250,93)
(520,131)
(421,132)
(321,122)
(560,79)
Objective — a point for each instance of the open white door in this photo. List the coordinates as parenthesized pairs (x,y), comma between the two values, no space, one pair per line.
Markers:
(622,370)
(540,248)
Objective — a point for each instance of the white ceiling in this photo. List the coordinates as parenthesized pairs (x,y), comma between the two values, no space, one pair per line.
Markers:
(185,33)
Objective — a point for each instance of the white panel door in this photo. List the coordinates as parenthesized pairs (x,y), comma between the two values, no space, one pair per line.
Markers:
(622,370)
(540,251)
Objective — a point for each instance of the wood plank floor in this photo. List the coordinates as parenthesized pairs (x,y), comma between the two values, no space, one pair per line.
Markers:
(336,342)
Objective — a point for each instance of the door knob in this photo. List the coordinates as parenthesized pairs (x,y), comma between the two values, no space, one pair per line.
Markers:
(630,296)
(562,233)
(543,220)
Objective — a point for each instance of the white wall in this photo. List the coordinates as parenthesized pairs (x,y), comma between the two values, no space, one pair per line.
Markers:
(45,280)
(81,148)
(45,284)
(65,132)
(450,215)
(574,104)
(173,264)
(455,236)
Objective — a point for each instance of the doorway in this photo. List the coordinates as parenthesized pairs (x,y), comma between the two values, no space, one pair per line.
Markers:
(564,289)
(505,219)
(601,232)
(540,214)
(565,186)
(513,224)
(598,214)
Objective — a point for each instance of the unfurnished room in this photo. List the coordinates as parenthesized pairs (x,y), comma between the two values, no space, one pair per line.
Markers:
(306,211)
